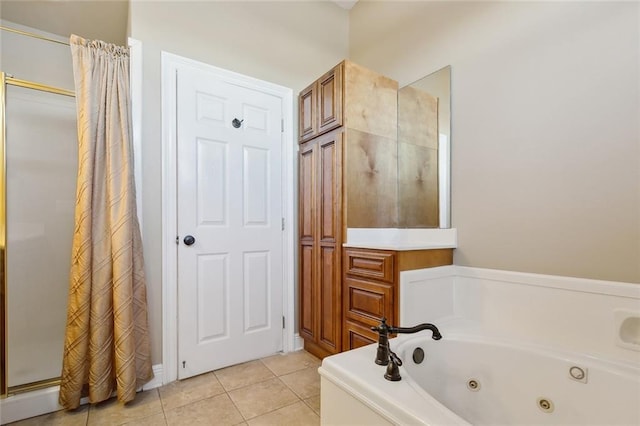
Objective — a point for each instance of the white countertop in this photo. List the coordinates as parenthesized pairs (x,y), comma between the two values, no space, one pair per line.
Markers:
(401,239)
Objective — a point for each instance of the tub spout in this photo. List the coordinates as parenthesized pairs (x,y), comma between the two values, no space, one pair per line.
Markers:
(382,355)
(425,326)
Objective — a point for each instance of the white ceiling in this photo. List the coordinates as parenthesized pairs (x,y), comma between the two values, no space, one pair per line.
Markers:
(345,4)
(101,20)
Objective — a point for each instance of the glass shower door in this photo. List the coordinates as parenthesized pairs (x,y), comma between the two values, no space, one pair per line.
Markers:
(41,167)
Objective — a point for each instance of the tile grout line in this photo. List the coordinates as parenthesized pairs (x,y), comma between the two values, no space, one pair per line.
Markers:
(268,412)
(272,411)
(310,407)
(299,399)
(195,400)
(166,422)
(244,386)
(276,374)
(236,406)
(289,387)
(293,390)
(213,376)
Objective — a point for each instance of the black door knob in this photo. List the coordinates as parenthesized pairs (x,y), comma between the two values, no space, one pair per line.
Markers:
(188,240)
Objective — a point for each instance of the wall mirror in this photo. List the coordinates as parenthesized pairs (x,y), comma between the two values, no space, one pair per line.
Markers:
(424,147)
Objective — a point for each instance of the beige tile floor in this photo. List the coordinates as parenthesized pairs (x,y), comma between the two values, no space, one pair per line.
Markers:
(278,390)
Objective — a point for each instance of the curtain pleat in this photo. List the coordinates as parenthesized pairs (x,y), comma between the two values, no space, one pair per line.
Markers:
(107,337)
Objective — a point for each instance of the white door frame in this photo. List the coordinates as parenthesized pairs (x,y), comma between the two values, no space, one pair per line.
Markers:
(170,65)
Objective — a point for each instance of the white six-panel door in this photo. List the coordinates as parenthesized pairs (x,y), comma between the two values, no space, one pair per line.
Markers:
(229,199)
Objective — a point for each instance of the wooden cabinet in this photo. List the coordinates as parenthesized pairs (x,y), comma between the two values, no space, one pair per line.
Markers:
(369,294)
(320,105)
(348,179)
(347,134)
(320,221)
(371,288)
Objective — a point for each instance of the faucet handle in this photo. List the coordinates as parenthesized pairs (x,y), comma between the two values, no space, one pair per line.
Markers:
(395,358)
(393,373)
(382,327)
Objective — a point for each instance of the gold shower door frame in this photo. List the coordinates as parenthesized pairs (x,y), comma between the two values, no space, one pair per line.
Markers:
(6,79)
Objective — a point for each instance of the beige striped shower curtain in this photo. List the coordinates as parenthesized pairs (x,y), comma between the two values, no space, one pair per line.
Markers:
(106,346)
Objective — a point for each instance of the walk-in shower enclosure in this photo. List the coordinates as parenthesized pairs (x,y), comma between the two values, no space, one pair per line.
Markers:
(38,167)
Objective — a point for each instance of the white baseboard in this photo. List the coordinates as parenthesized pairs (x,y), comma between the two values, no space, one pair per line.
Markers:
(43,401)
(29,404)
(156,382)
(298,342)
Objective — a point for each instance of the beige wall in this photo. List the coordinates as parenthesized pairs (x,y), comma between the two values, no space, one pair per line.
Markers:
(96,19)
(290,44)
(545,135)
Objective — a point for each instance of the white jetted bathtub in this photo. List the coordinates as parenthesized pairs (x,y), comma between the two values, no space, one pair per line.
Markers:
(517,349)
(465,379)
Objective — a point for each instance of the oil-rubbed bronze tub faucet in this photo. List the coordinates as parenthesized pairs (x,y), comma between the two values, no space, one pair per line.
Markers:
(382,356)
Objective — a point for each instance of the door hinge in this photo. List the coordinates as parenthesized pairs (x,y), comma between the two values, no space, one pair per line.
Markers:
(283,321)
(283,223)
(282,125)
(177,239)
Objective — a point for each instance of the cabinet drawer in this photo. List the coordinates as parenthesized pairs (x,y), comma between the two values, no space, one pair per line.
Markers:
(357,335)
(367,301)
(377,265)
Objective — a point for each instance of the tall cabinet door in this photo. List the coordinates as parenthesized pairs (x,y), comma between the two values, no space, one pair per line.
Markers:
(307,231)
(330,99)
(320,227)
(329,237)
(307,113)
